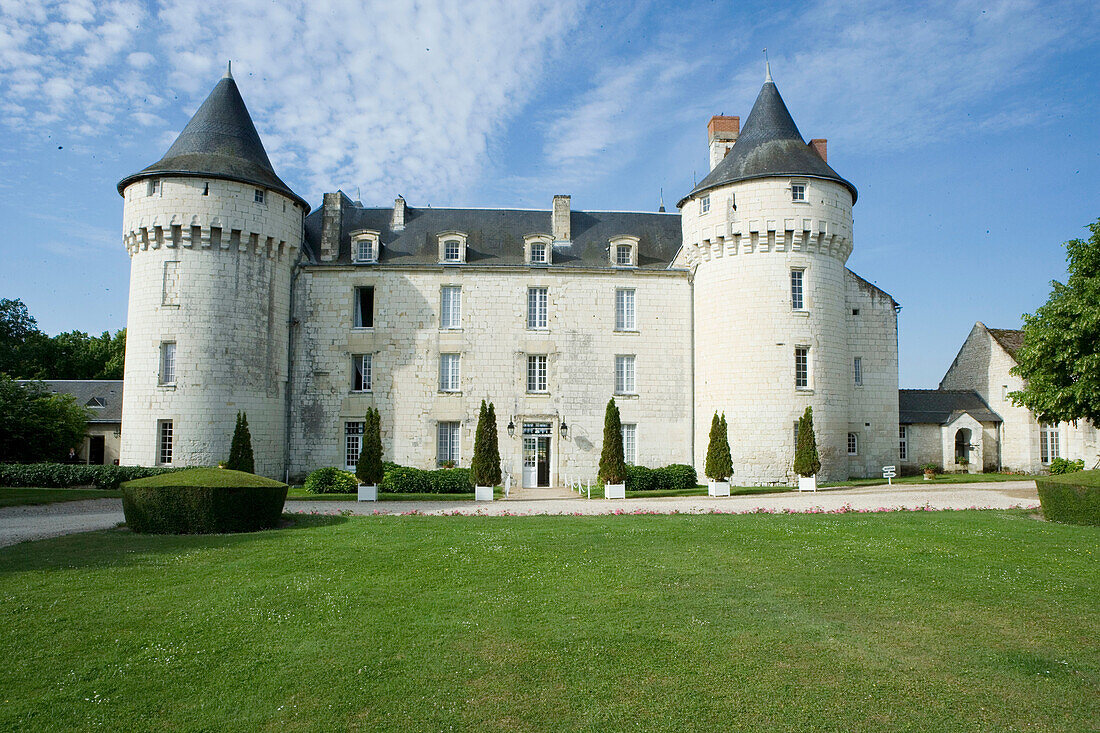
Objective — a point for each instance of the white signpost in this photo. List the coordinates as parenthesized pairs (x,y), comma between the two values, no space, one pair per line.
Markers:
(889,472)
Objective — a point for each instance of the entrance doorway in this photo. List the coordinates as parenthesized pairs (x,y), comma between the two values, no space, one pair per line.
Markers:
(962,446)
(536,455)
(95,450)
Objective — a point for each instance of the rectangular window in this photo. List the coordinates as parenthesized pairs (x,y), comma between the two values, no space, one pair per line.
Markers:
(364,250)
(797,301)
(353,441)
(624,374)
(448,372)
(168,362)
(798,192)
(165,435)
(447,443)
(452,250)
(1048,443)
(853,444)
(450,307)
(258,196)
(704,205)
(538,253)
(624,310)
(903,442)
(536,373)
(857,369)
(363,378)
(623,256)
(630,443)
(802,367)
(537,308)
(364,307)
(153,187)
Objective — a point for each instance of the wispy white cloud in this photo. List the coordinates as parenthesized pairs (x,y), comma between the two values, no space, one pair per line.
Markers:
(378,95)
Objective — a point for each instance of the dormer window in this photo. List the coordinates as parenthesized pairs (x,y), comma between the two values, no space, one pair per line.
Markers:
(452,247)
(96,402)
(364,246)
(704,204)
(624,251)
(538,249)
(798,191)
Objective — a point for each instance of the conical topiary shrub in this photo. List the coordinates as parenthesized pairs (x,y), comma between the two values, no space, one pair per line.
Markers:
(368,469)
(719,463)
(493,449)
(806,460)
(485,466)
(612,462)
(240,449)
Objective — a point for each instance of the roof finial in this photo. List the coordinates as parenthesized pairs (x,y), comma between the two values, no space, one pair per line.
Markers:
(228,70)
(767,67)
(662,207)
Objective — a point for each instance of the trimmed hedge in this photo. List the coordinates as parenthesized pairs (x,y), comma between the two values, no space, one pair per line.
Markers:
(331,481)
(675,477)
(406,480)
(71,475)
(202,501)
(1072,498)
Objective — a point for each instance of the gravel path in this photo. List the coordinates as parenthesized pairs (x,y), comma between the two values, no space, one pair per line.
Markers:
(23,523)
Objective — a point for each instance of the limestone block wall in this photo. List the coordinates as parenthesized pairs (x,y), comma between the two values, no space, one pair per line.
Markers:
(406,342)
(925,446)
(872,326)
(746,330)
(210,270)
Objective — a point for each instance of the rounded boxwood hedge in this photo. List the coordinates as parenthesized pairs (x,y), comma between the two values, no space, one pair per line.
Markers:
(202,501)
(1073,498)
(330,480)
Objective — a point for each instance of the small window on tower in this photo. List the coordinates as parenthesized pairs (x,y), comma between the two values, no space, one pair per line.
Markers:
(798,192)
(206,189)
(259,195)
(153,187)
(704,204)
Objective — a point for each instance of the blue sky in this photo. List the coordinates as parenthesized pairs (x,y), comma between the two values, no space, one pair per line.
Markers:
(970,128)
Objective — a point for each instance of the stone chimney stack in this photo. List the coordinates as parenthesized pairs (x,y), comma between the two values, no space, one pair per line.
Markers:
(330,225)
(559,219)
(397,223)
(819,145)
(722,133)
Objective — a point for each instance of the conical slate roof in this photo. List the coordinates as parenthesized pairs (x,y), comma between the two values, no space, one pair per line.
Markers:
(220,141)
(769,145)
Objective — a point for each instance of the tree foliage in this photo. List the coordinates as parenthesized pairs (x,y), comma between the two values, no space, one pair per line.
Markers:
(485,465)
(240,450)
(27,353)
(1060,357)
(806,460)
(612,461)
(37,425)
(719,464)
(368,469)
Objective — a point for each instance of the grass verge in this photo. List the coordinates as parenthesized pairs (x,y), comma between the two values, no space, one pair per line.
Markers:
(24,496)
(925,621)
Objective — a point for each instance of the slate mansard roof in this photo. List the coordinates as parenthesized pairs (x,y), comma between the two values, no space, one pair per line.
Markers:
(769,145)
(220,141)
(496,236)
(940,406)
(90,393)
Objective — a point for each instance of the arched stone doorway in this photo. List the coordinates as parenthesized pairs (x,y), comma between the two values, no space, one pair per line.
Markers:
(962,446)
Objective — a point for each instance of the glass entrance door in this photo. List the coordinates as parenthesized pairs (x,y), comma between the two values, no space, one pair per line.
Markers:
(536,455)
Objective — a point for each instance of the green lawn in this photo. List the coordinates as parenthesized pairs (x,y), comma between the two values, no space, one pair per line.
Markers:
(297,493)
(924,621)
(17,497)
(941,478)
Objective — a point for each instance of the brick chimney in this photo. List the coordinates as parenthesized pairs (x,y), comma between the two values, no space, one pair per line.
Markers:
(397,223)
(722,132)
(330,225)
(559,219)
(819,145)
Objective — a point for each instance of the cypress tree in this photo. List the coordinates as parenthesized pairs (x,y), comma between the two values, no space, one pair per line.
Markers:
(806,460)
(494,448)
(479,465)
(240,449)
(612,462)
(719,463)
(368,469)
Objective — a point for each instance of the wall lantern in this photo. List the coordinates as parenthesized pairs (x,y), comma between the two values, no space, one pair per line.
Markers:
(511,429)
(564,428)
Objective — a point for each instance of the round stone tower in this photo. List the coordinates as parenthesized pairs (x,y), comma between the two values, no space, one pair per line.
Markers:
(767,233)
(213,236)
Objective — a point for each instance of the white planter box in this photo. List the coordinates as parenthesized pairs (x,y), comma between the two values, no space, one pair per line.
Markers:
(614,491)
(483,493)
(807,483)
(718,488)
(368,493)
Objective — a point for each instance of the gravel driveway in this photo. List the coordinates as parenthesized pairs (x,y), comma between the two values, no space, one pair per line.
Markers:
(23,523)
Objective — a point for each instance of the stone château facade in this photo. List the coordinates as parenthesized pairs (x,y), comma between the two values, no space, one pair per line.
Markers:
(241,298)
